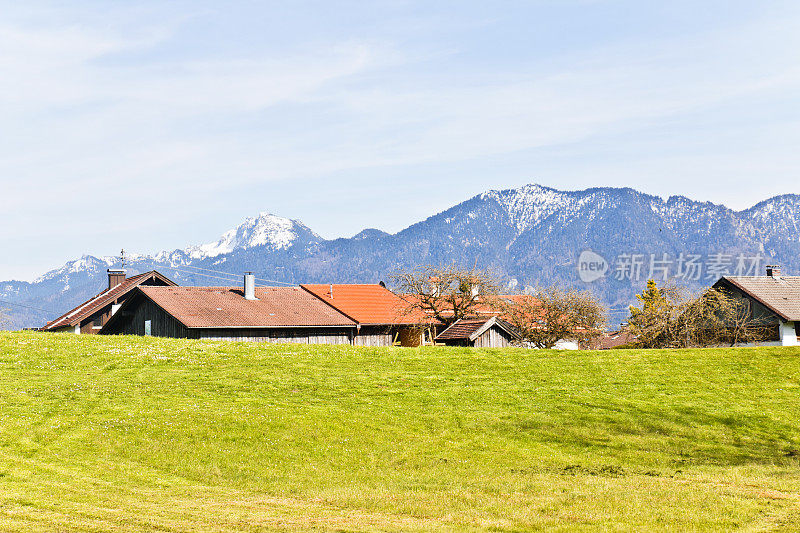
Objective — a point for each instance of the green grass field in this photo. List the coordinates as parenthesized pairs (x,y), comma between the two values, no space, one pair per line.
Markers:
(102,434)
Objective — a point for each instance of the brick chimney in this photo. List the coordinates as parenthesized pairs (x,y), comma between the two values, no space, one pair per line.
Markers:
(115,277)
(774,271)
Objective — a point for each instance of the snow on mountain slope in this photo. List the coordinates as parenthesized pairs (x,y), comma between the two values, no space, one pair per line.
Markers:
(778,216)
(265,229)
(529,205)
(86,263)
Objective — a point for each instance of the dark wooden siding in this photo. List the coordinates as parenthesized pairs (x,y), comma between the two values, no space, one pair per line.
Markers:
(368,336)
(161,323)
(102,315)
(276,335)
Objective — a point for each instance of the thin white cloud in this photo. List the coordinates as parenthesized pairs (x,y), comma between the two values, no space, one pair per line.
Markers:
(92,113)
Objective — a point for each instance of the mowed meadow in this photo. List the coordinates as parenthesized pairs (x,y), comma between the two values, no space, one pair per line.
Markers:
(143,434)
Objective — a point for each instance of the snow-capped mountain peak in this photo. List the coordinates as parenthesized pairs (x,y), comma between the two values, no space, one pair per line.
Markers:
(264,229)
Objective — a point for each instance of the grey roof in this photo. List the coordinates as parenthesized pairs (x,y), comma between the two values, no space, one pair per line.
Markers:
(779,294)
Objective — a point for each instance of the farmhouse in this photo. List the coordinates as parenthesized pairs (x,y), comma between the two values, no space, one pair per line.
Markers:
(364,315)
(772,299)
(92,315)
(356,314)
(486,332)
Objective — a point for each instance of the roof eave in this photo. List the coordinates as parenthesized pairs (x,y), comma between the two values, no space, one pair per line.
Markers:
(753,296)
(317,326)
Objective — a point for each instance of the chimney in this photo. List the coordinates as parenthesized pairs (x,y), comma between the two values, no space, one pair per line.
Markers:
(249,286)
(115,277)
(774,271)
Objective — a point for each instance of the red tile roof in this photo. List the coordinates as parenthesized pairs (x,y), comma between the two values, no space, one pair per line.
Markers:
(367,304)
(74,316)
(226,307)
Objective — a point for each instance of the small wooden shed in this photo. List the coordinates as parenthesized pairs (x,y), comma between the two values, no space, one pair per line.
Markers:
(482,332)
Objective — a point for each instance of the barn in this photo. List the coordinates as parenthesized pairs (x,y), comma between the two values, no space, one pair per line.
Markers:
(272,314)
(362,315)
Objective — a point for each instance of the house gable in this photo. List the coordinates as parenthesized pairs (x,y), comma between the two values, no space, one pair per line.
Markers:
(92,315)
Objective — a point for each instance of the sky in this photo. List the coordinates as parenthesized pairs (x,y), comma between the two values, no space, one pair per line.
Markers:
(152,125)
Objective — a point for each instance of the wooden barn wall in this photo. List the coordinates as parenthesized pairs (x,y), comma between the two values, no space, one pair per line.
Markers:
(414,336)
(368,336)
(373,336)
(299,335)
(494,337)
(161,323)
(104,314)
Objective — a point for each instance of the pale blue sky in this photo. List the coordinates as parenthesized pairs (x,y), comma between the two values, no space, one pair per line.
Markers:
(153,125)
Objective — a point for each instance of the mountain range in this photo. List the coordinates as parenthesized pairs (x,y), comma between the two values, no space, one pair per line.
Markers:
(528,236)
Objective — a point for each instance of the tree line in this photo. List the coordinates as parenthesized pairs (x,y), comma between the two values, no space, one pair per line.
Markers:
(668,316)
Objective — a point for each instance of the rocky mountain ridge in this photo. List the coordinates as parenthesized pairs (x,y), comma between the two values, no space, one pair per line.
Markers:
(530,235)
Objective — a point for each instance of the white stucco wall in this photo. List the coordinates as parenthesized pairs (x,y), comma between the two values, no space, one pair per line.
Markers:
(787,334)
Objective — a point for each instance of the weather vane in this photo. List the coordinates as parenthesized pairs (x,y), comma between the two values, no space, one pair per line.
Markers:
(122,257)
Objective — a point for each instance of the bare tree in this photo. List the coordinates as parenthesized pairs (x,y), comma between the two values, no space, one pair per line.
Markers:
(552,314)
(719,317)
(669,318)
(448,293)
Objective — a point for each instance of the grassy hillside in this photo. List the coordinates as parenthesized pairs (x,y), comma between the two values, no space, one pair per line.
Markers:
(146,434)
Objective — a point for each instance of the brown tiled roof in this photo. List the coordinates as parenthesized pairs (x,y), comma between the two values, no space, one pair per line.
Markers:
(779,294)
(226,307)
(462,329)
(367,304)
(471,328)
(87,308)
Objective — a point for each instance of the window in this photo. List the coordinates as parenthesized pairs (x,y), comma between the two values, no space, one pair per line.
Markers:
(97,322)
(148,328)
